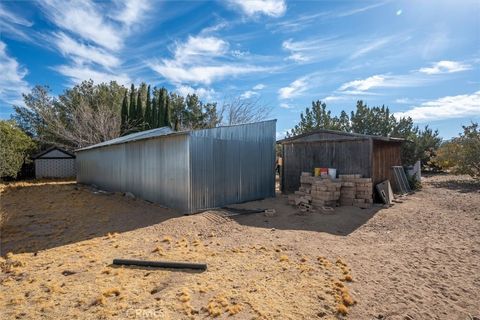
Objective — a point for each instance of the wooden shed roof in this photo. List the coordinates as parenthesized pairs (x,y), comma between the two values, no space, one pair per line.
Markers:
(342,135)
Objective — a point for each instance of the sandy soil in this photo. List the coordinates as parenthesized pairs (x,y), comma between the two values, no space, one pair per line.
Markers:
(419,259)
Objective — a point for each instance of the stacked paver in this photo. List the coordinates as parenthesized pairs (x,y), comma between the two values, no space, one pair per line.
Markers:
(324,192)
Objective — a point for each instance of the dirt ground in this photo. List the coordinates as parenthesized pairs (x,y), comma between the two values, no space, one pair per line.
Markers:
(419,259)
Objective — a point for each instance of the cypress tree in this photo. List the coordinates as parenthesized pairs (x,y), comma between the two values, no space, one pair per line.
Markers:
(132,109)
(161,108)
(153,120)
(124,113)
(139,112)
(166,117)
(148,111)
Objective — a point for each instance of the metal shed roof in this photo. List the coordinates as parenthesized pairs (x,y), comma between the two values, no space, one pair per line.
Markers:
(350,135)
(157,132)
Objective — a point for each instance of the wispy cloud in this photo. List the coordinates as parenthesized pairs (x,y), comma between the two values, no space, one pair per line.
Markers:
(365,84)
(259,86)
(79,73)
(284,105)
(12,79)
(272,8)
(446,66)
(130,11)
(85,19)
(248,94)
(202,93)
(466,105)
(14,25)
(82,53)
(360,9)
(335,47)
(201,60)
(295,88)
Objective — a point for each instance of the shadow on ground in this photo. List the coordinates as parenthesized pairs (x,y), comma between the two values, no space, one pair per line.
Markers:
(459,185)
(40,216)
(342,222)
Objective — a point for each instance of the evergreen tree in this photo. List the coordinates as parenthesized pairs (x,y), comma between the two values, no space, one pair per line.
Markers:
(124,113)
(162,101)
(132,109)
(153,119)
(139,112)
(166,117)
(148,111)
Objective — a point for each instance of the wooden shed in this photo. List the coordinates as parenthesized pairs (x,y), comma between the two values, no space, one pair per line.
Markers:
(54,162)
(349,153)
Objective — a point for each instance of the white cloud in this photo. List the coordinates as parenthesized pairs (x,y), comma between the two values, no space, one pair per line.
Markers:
(199,48)
(248,94)
(79,73)
(85,19)
(286,106)
(201,60)
(371,46)
(281,134)
(202,93)
(272,8)
(14,25)
(399,12)
(82,52)
(296,88)
(360,10)
(201,74)
(259,86)
(365,84)
(448,107)
(445,66)
(131,11)
(12,82)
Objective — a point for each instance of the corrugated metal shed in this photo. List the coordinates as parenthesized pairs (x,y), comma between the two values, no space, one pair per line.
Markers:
(349,153)
(189,170)
(54,162)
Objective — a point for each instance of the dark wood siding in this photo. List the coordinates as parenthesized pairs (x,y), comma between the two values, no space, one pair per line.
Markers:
(347,156)
(385,155)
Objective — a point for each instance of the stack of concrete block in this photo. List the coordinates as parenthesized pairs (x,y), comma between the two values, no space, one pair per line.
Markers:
(316,192)
(326,192)
(356,191)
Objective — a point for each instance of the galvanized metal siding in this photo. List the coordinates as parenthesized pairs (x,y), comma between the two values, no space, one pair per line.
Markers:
(347,156)
(155,169)
(232,164)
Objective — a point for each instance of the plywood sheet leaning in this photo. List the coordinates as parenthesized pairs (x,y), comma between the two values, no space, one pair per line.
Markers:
(385,191)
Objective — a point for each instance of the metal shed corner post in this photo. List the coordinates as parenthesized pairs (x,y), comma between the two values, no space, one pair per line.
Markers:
(231,164)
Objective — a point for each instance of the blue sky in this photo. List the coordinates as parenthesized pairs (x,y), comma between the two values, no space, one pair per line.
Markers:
(421,58)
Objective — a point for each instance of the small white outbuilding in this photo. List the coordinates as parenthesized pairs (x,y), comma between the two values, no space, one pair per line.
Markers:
(54,162)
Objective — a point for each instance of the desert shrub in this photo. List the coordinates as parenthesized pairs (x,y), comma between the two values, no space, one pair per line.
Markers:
(14,147)
(461,155)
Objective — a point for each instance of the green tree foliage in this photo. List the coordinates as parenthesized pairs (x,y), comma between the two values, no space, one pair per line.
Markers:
(319,117)
(124,115)
(461,155)
(15,145)
(139,111)
(148,110)
(80,116)
(420,145)
(132,107)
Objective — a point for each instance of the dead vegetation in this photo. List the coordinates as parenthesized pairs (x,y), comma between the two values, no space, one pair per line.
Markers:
(258,267)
